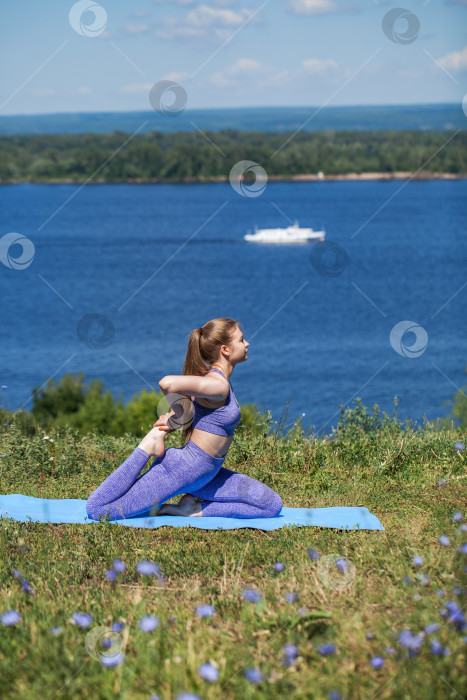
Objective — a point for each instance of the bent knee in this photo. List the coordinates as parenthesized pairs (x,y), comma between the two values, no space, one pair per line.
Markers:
(274,506)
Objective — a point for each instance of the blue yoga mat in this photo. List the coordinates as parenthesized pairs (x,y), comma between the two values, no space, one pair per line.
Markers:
(73,510)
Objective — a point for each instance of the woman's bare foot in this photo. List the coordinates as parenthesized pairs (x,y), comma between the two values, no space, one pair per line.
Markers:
(188,505)
(153,442)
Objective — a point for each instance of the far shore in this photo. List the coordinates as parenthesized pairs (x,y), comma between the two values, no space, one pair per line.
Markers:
(306,177)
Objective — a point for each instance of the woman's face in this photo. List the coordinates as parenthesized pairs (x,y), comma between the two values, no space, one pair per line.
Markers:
(238,347)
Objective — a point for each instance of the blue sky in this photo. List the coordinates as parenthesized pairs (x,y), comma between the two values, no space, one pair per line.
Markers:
(229,53)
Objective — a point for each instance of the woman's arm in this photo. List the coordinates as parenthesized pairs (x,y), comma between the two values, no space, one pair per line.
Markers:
(211,386)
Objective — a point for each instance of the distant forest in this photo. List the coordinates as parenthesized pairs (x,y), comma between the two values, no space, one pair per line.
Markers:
(183,156)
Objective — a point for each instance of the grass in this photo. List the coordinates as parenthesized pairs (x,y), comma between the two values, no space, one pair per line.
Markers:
(413,480)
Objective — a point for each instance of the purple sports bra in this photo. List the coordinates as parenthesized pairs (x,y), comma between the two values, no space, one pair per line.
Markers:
(220,421)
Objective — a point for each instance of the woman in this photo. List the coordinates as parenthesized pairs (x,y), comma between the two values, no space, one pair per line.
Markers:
(195,469)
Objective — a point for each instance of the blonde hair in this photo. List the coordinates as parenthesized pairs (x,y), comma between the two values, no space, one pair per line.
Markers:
(203,350)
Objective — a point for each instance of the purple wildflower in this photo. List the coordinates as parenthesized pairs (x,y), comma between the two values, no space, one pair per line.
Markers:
(326,649)
(444,540)
(459,446)
(148,623)
(208,672)
(278,566)
(457,517)
(119,566)
(252,595)
(341,564)
(463,527)
(113,659)
(10,617)
(313,554)
(441,593)
(334,695)
(370,635)
(456,616)
(433,627)
(290,650)
(82,619)
(291,597)
(117,626)
(110,575)
(56,630)
(187,696)
(253,675)
(411,641)
(463,548)
(27,587)
(390,650)
(377,661)
(435,646)
(147,568)
(205,610)
(417,560)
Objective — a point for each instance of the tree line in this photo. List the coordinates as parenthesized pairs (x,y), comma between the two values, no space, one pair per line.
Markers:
(183,156)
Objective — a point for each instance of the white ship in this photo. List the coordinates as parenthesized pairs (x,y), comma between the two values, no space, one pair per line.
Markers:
(291,234)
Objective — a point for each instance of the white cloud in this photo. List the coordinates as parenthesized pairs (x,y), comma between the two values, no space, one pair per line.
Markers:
(206,16)
(134,29)
(136,88)
(176,77)
(82,91)
(46,92)
(455,61)
(247,72)
(312,7)
(316,66)
(204,21)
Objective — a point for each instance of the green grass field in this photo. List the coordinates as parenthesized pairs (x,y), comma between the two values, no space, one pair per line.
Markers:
(283,623)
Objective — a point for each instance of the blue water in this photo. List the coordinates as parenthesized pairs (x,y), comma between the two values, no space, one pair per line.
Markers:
(158,261)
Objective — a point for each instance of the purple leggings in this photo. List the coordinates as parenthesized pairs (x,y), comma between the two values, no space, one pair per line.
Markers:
(187,469)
